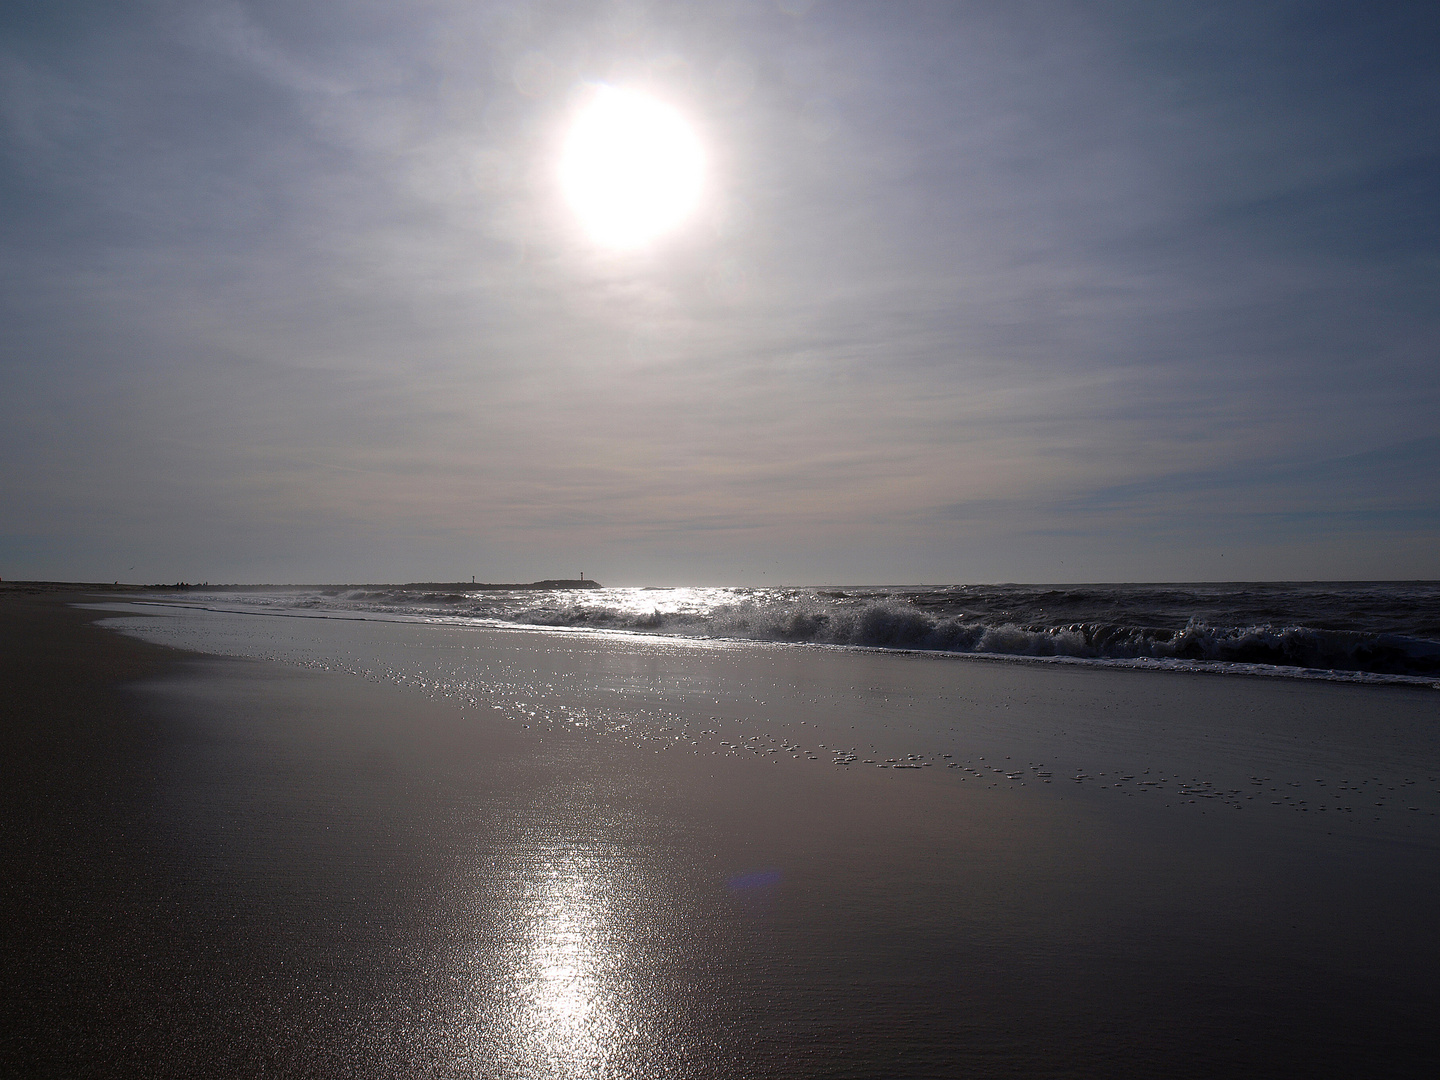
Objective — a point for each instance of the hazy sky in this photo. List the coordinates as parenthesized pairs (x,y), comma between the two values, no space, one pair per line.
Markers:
(975,291)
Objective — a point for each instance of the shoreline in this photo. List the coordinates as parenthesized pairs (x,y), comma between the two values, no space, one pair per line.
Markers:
(1150,664)
(1060,696)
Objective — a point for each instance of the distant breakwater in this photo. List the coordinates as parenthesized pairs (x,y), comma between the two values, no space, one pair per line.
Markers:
(481,586)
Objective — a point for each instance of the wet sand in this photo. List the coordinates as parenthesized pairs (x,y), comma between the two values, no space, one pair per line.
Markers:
(510,854)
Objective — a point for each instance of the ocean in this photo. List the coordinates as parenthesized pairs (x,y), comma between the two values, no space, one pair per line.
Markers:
(1340,631)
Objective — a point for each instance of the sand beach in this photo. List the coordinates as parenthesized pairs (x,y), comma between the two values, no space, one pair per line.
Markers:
(337,848)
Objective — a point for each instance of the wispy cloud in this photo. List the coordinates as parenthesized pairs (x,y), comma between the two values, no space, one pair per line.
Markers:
(976,291)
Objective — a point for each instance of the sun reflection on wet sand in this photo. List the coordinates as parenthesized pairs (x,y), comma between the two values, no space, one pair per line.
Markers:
(574,996)
(570,1011)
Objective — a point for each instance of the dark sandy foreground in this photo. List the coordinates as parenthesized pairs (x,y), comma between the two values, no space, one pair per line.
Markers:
(230,867)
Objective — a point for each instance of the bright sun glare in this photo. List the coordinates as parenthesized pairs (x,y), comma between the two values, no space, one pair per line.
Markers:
(631,168)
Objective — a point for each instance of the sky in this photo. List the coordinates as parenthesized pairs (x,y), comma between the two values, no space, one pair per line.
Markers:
(971,292)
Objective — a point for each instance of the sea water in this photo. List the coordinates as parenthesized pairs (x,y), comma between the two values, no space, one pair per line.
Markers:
(1339,631)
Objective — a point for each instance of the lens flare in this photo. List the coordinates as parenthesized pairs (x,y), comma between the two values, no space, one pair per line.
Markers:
(631,168)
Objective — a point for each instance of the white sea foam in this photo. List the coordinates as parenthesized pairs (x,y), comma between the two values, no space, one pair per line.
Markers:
(1366,632)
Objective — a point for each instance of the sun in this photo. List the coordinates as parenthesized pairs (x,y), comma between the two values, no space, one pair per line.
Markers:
(631,168)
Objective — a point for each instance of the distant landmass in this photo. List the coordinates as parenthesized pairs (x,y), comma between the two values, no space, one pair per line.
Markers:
(433,586)
(428,586)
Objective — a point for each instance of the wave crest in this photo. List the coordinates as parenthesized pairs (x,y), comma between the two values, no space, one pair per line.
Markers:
(890,624)
(1379,631)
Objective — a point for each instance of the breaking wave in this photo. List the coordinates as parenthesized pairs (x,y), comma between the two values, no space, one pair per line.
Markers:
(1360,630)
(893,625)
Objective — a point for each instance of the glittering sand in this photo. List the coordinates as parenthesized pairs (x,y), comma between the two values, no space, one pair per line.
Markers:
(400,850)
